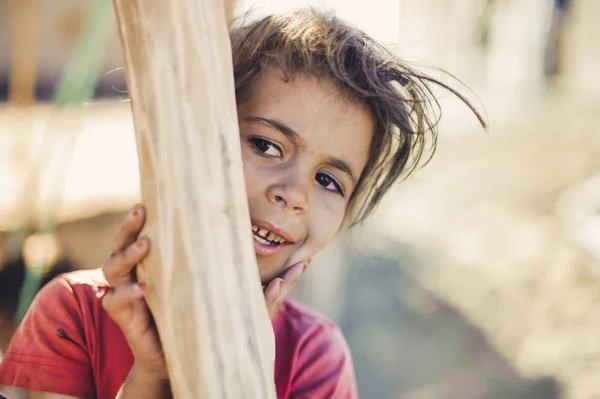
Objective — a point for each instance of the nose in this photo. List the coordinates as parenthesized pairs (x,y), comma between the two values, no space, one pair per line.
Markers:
(291,194)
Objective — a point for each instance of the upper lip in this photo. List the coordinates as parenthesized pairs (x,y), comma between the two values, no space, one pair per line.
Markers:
(268,226)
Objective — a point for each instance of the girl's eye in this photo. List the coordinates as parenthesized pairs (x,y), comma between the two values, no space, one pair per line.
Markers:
(266,148)
(329,183)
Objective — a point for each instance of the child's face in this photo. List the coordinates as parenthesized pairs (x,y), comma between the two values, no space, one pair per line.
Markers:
(303,148)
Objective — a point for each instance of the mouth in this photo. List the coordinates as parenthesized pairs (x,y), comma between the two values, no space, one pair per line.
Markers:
(268,240)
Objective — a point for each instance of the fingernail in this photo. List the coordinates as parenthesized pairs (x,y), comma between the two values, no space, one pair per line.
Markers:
(304,267)
(142,286)
(281,283)
(140,243)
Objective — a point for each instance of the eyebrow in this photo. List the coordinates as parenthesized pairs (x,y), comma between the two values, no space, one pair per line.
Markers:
(287,131)
(342,166)
(280,126)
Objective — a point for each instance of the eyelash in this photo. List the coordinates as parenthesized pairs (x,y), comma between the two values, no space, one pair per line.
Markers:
(337,185)
(258,141)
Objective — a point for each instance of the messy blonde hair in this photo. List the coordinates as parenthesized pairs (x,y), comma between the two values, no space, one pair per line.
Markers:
(309,42)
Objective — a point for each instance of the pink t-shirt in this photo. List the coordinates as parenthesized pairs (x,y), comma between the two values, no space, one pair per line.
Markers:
(68,344)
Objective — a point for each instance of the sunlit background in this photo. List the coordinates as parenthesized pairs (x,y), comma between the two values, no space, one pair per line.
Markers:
(478,277)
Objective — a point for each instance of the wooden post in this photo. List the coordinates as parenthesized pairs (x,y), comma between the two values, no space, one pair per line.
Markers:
(205,292)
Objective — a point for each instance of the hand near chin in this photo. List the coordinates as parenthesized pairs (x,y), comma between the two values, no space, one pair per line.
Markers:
(124,301)
(279,288)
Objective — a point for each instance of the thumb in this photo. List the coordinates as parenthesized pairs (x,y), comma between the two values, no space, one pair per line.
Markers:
(291,277)
(279,288)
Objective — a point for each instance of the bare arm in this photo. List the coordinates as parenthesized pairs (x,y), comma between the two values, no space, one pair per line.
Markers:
(141,385)
(21,393)
(137,385)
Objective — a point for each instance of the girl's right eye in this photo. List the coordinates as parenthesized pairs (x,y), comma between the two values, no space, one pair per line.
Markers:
(266,147)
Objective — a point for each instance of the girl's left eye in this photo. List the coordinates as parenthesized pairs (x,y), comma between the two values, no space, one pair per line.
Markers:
(329,183)
(266,148)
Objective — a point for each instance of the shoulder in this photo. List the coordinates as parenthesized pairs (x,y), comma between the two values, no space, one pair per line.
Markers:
(51,350)
(70,293)
(313,357)
(66,293)
(70,301)
(301,317)
(76,285)
(85,279)
(81,280)
(312,330)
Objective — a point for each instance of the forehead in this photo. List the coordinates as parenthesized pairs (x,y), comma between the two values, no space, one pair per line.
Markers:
(315,109)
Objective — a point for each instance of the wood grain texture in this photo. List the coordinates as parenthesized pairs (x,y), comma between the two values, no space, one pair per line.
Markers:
(205,292)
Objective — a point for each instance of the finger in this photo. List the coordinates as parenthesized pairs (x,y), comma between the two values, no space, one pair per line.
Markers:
(291,277)
(272,291)
(118,269)
(130,230)
(118,299)
(278,289)
(292,274)
(272,296)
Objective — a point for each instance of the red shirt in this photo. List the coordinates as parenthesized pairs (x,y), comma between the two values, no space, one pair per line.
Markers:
(68,344)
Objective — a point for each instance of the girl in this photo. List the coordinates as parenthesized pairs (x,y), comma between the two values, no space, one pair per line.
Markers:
(328,121)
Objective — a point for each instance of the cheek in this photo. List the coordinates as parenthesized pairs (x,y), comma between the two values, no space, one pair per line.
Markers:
(324,223)
(252,173)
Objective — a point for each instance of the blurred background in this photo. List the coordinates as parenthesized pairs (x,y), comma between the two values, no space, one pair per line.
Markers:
(478,277)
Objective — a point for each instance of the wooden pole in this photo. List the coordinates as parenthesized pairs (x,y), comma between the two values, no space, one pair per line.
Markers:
(205,292)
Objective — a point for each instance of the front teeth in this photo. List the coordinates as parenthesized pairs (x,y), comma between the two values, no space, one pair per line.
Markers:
(263,241)
(267,235)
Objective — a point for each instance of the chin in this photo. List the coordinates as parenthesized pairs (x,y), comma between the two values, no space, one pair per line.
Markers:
(268,269)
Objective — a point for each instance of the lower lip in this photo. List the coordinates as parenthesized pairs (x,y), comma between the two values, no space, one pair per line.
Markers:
(267,250)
